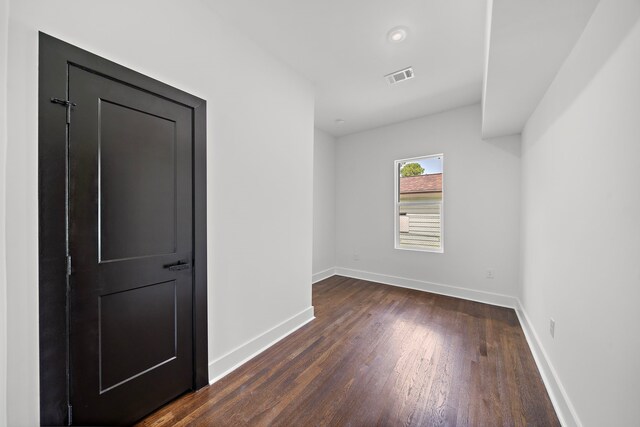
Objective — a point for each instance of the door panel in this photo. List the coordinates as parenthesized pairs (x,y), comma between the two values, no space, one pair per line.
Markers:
(133,341)
(133,193)
(130,204)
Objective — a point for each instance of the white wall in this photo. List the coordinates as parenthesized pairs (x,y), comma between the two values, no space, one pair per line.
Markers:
(581,207)
(481,205)
(259,113)
(4,27)
(324,205)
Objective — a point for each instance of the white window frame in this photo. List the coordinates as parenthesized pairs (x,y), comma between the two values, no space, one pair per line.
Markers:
(396,204)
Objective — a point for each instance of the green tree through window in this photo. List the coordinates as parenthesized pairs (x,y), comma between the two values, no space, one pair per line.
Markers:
(411,169)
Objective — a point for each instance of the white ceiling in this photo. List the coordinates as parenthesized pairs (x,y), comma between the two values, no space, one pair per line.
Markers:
(528,42)
(341,46)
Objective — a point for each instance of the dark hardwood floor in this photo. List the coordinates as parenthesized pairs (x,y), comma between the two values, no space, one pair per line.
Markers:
(381,355)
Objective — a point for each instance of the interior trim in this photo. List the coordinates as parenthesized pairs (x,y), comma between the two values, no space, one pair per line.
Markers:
(436,288)
(235,358)
(321,275)
(559,398)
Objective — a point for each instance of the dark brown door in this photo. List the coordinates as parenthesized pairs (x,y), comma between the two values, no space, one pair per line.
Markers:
(130,242)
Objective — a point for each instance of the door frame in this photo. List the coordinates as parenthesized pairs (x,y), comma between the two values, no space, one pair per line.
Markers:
(55,56)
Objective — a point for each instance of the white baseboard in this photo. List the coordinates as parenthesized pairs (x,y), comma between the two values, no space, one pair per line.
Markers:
(436,288)
(557,393)
(324,274)
(242,354)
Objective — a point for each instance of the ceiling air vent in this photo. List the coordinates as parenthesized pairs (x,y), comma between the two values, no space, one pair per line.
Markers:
(400,76)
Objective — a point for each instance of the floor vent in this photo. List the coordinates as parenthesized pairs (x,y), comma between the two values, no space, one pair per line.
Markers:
(400,76)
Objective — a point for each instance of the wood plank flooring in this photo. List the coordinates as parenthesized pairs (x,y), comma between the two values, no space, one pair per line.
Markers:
(381,355)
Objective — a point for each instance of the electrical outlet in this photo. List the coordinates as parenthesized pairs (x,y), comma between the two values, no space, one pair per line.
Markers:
(552,327)
(490,273)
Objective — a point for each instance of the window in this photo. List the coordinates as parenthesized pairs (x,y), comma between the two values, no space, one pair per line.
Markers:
(418,203)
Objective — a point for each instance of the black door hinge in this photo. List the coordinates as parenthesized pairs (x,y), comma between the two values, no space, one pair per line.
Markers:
(67,104)
(69,266)
(70,415)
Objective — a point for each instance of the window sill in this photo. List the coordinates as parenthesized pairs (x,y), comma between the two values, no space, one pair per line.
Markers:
(435,251)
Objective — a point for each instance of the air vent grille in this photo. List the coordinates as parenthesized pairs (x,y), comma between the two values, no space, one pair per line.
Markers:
(400,76)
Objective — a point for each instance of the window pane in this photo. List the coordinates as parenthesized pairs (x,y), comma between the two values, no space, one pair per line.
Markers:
(419,203)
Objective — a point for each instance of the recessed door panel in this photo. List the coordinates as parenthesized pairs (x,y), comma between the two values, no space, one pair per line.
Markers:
(137,332)
(137,188)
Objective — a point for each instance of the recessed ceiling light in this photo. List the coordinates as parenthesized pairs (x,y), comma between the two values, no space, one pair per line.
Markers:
(339,121)
(397,34)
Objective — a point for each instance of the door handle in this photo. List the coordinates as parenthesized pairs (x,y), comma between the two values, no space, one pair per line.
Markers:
(180,265)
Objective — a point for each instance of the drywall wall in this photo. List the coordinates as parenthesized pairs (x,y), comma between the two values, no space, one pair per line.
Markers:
(4,35)
(580,211)
(324,205)
(260,134)
(481,206)
(527,42)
